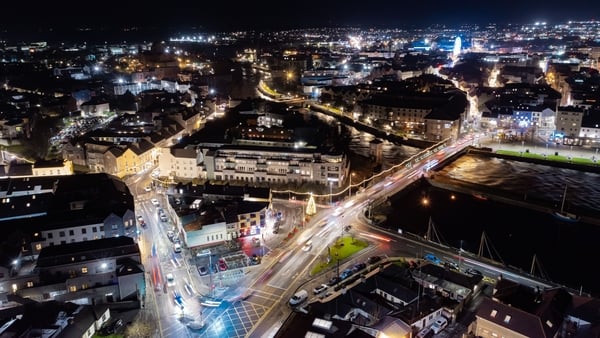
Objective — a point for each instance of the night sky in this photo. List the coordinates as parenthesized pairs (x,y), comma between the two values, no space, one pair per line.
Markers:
(228,15)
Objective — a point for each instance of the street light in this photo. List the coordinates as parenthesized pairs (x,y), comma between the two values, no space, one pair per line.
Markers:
(460,250)
(350,186)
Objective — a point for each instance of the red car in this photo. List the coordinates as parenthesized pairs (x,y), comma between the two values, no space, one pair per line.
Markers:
(222,265)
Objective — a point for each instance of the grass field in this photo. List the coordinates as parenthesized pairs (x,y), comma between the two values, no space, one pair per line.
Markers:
(554,158)
(343,248)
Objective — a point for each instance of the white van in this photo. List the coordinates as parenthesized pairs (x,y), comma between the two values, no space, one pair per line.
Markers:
(298,297)
(439,324)
(177,247)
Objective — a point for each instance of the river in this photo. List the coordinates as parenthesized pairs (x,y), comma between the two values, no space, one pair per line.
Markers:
(514,235)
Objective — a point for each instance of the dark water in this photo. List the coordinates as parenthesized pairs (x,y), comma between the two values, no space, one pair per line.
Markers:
(391,154)
(566,252)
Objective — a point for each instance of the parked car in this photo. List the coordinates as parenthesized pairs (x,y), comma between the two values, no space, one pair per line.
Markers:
(148,188)
(334,280)
(254,259)
(432,258)
(320,288)
(346,273)
(222,265)
(439,324)
(373,259)
(202,270)
(155,202)
(298,297)
(113,327)
(359,266)
(177,247)
(425,332)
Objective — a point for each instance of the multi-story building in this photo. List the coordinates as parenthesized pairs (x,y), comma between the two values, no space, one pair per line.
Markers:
(135,148)
(515,310)
(433,116)
(41,168)
(180,164)
(54,319)
(52,168)
(39,212)
(211,214)
(568,125)
(276,165)
(88,272)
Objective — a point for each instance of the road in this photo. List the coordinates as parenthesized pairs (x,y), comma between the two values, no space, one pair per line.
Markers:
(258,305)
(292,271)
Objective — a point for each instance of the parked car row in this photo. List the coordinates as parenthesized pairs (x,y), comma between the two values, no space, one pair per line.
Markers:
(355,269)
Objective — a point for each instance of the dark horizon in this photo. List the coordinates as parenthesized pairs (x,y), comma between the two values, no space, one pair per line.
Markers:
(60,17)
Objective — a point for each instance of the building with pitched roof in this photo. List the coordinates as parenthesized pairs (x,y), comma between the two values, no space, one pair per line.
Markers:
(38,212)
(98,271)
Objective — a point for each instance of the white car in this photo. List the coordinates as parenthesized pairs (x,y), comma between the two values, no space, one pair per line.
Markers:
(170,279)
(155,202)
(147,188)
(307,246)
(320,289)
(177,247)
(194,325)
(439,324)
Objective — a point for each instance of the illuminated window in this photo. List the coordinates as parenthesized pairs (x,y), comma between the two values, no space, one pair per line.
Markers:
(38,246)
(72,288)
(507,319)
(84,269)
(30,284)
(494,313)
